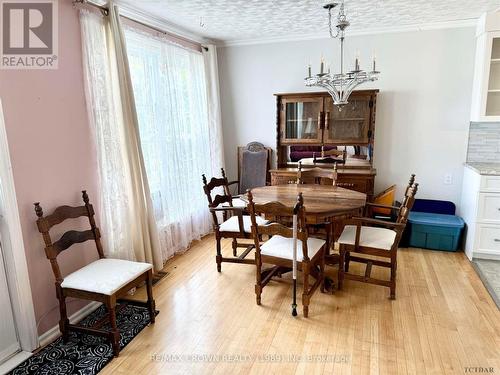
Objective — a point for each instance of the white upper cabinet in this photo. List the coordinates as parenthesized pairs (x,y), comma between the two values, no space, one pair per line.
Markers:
(486,86)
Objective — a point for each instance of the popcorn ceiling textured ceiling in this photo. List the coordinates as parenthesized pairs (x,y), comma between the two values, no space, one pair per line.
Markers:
(230,20)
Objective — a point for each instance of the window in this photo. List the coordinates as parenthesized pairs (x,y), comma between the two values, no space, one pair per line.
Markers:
(170,95)
(179,135)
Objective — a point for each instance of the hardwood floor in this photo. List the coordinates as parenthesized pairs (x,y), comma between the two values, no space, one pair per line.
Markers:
(442,322)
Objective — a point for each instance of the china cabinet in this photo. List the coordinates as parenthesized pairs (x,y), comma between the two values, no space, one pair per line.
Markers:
(309,125)
(312,118)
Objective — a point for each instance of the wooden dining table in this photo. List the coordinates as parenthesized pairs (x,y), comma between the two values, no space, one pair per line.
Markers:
(323,203)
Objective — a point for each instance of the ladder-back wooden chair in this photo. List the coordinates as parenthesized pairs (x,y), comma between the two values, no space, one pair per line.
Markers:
(104,280)
(367,236)
(234,225)
(278,250)
(236,201)
(315,175)
(371,208)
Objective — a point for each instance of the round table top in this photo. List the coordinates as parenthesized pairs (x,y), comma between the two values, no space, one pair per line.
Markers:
(319,200)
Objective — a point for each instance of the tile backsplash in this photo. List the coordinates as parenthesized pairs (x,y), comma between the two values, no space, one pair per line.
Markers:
(484,142)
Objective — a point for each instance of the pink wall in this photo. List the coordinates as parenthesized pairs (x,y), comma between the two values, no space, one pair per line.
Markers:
(53,155)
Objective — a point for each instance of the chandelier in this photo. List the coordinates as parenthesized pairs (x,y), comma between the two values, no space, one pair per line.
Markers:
(340,85)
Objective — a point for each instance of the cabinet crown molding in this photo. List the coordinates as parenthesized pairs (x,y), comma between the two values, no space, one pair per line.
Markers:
(488,22)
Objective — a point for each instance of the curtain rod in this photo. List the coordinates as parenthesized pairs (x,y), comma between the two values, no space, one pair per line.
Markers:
(105,10)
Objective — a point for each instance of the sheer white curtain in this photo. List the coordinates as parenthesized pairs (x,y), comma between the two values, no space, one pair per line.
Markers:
(171,99)
(104,115)
(127,220)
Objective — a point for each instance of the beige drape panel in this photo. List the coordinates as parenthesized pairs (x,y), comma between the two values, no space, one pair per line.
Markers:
(141,217)
(214,107)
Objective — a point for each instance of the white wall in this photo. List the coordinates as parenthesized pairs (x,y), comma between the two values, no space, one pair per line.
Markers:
(422,110)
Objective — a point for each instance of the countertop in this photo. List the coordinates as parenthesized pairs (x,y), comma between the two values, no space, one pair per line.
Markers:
(491,169)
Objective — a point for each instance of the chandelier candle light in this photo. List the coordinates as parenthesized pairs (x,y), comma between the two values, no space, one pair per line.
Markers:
(340,85)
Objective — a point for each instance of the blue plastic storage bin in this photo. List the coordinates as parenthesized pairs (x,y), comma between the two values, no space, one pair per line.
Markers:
(435,231)
(428,206)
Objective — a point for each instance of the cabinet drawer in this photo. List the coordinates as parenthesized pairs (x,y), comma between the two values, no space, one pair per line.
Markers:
(279,179)
(490,183)
(488,238)
(489,208)
(353,184)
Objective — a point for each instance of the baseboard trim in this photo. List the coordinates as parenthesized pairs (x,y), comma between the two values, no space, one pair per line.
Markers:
(53,333)
(14,361)
(484,255)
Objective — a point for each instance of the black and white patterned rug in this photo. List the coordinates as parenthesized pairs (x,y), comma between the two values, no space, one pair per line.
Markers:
(85,354)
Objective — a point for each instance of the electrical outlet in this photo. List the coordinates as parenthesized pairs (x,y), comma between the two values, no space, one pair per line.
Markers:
(448,179)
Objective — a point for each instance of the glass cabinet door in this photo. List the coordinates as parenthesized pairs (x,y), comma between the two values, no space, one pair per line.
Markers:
(300,120)
(351,125)
(493,95)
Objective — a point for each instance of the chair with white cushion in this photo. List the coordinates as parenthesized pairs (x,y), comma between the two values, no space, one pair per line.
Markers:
(316,175)
(278,250)
(104,280)
(236,200)
(235,224)
(379,238)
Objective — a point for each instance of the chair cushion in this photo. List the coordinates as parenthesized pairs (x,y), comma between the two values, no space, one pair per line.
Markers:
(379,238)
(237,202)
(231,224)
(105,276)
(282,247)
